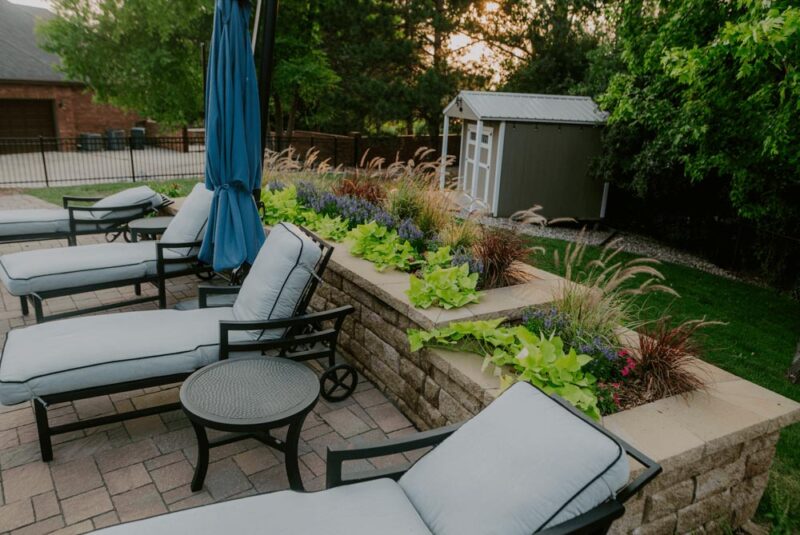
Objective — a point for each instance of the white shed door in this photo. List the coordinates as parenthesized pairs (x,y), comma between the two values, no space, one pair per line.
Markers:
(477,183)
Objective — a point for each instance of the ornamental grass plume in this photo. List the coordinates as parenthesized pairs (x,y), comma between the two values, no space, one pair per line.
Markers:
(532,216)
(603,294)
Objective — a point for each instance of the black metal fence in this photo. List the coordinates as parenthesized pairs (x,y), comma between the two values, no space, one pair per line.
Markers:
(44,162)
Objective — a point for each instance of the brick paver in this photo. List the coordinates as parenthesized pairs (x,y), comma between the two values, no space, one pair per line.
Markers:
(140,468)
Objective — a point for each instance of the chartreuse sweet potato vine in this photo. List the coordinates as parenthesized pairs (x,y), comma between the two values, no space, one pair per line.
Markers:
(282,205)
(383,247)
(538,360)
(442,284)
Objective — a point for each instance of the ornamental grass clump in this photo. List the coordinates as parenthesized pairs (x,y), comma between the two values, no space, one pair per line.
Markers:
(601,295)
(366,189)
(663,364)
(501,253)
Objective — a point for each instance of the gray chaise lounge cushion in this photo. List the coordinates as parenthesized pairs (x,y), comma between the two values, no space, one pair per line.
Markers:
(278,278)
(56,220)
(190,221)
(373,508)
(522,464)
(43,270)
(77,353)
(127,197)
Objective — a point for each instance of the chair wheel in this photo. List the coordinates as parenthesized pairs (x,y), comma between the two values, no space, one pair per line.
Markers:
(338,382)
(112,236)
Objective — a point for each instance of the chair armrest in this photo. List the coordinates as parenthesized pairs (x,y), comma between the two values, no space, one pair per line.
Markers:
(161,261)
(141,209)
(337,456)
(299,330)
(66,199)
(204,291)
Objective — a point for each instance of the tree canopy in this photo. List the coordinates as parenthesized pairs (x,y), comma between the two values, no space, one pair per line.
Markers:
(140,55)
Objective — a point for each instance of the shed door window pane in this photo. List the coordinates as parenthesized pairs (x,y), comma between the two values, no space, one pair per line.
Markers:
(481,190)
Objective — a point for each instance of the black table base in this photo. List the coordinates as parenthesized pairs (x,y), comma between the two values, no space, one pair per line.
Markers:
(289,448)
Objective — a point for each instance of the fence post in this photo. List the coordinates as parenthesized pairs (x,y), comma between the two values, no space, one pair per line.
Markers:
(356,147)
(44,162)
(335,152)
(130,151)
(185,139)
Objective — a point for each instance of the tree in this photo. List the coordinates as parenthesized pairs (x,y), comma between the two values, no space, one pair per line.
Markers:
(139,55)
(433,23)
(303,76)
(709,95)
(368,44)
(547,44)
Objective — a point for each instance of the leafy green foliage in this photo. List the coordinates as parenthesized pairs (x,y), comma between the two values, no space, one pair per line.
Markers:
(382,247)
(448,288)
(541,361)
(282,205)
(710,94)
(441,284)
(140,55)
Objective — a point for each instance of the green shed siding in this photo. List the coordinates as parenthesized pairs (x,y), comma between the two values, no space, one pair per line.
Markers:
(548,164)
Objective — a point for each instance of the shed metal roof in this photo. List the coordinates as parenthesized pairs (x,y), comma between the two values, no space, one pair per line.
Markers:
(20,55)
(525,107)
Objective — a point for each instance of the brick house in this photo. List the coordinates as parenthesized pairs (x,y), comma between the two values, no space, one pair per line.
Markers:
(35,99)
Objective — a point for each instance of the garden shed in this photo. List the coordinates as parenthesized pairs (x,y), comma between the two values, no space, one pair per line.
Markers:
(532,149)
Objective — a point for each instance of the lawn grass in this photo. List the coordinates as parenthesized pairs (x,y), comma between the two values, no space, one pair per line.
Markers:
(757,343)
(178,187)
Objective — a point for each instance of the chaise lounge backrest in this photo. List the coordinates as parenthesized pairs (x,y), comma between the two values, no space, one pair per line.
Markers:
(278,282)
(127,197)
(190,221)
(523,464)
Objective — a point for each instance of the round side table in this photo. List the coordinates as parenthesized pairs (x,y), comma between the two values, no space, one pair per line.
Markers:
(250,396)
(149,227)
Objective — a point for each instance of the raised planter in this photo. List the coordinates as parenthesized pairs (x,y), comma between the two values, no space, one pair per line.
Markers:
(716,446)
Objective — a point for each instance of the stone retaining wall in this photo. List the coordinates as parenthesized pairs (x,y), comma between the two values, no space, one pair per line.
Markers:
(716,447)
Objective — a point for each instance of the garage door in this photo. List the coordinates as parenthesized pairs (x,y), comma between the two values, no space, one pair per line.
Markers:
(26,118)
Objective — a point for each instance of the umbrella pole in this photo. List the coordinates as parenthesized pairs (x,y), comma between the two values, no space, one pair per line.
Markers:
(265,74)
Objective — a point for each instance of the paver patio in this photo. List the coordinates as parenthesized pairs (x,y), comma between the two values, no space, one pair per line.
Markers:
(140,468)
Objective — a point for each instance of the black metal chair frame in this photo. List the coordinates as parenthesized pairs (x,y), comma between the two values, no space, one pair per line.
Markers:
(299,332)
(596,521)
(304,339)
(338,381)
(192,267)
(110,224)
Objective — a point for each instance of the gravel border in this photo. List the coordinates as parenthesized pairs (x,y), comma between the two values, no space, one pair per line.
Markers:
(630,242)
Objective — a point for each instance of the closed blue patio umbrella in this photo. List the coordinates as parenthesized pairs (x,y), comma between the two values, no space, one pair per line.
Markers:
(233,141)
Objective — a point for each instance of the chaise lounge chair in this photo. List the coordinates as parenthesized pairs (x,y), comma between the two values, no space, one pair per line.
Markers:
(528,463)
(105,216)
(84,357)
(45,273)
